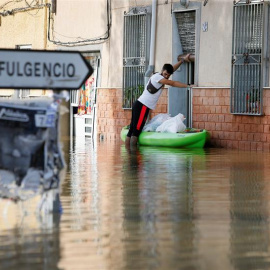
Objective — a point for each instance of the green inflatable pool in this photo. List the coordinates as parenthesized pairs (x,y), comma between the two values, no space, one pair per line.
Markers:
(192,138)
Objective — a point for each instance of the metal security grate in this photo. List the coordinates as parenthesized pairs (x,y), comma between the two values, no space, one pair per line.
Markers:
(136,25)
(186,30)
(246,85)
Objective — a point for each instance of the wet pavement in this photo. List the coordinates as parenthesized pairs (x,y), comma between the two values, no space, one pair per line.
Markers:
(150,208)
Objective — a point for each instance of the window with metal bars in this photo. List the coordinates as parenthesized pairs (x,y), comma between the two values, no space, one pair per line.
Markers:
(135,53)
(250,31)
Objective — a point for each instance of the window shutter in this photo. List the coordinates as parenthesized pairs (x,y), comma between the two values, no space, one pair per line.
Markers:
(186,29)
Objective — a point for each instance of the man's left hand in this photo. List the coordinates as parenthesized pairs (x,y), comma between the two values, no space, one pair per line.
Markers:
(185,57)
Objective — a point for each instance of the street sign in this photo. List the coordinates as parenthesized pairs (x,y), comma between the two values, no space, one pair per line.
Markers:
(37,69)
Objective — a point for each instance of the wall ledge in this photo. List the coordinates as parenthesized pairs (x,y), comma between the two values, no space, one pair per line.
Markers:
(209,87)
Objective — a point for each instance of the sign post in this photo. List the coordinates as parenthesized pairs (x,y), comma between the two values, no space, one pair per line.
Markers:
(37,69)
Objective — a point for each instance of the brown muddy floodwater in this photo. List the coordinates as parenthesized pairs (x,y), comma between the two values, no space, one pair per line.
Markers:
(153,208)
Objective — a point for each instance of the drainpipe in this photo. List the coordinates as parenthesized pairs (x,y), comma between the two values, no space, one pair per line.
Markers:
(150,69)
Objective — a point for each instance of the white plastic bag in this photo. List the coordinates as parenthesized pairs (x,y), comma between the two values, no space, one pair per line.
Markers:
(156,121)
(173,125)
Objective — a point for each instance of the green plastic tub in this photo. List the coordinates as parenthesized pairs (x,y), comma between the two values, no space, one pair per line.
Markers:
(192,138)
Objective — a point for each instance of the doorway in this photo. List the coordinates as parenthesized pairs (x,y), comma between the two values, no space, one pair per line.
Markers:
(185,39)
(83,101)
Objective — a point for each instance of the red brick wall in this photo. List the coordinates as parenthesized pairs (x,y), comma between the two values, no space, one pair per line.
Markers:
(110,115)
(211,111)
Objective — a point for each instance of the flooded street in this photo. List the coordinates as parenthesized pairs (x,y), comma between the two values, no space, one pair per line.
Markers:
(150,208)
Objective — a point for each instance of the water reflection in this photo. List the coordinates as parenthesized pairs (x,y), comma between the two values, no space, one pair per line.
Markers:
(29,241)
(151,208)
(249,214)
(158,207)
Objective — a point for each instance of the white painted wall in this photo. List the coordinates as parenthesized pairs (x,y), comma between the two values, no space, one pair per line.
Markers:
(77,20)
(216,44)
(86,19)
(23,28)
(214,50)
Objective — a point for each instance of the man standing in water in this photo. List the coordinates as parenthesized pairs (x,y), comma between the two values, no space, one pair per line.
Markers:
(149,98)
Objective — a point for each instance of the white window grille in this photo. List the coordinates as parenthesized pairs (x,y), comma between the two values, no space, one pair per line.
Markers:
(250,31)
(135,53)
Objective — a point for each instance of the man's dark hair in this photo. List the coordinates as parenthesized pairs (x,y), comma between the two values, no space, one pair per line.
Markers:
(168,68)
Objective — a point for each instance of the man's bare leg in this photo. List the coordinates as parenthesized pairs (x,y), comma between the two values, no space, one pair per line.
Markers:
(127,142)
(133,140)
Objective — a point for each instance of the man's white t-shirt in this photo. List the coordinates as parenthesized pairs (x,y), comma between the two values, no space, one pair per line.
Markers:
(148,99)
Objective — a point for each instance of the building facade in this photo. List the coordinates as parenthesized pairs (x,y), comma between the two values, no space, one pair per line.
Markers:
(126,41)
